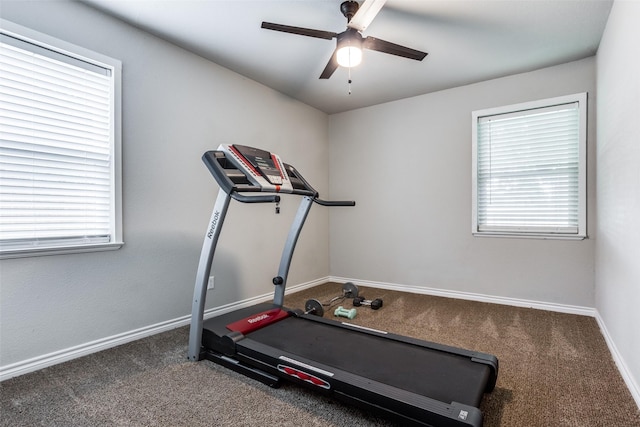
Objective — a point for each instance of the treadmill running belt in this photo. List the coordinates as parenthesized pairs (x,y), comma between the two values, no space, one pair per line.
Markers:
(428,372)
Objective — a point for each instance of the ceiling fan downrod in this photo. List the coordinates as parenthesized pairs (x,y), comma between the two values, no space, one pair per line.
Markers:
(349,9)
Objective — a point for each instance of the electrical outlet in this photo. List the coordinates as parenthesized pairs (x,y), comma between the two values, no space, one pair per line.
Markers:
(210,283)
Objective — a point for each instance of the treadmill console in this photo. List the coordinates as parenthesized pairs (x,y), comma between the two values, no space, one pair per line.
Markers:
(262,161)
(262,168)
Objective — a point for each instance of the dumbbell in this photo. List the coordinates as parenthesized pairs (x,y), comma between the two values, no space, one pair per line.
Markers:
(343,312)
(349,290)
(375,304)
(313,306)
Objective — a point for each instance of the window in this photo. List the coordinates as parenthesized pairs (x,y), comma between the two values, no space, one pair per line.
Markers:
(59,146)
(529,169)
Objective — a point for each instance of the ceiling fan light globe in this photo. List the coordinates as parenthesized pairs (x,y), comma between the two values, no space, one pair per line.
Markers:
(349,56)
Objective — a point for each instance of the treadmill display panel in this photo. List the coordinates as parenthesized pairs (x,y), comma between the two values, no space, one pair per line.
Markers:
(262,161)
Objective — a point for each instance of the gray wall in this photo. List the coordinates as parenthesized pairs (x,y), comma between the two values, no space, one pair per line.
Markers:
(618,185)
(408,165)
(176,105)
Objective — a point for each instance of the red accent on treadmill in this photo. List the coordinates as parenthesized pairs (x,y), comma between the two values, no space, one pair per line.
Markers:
(304,376)
(244,160)
(282,173)
(277,164)
(257,321)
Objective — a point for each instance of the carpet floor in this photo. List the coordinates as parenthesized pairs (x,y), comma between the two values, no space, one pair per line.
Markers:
(555,370)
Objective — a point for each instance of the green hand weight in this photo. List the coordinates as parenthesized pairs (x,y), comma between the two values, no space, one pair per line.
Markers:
(343,312)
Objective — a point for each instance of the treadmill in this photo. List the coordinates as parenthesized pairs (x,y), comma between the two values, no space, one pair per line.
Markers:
(412,381)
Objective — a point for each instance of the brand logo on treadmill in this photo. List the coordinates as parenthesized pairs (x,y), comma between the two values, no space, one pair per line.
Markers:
(214,222)
(263,316)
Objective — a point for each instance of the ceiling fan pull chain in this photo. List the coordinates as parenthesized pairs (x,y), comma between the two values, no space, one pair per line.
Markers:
(349,80)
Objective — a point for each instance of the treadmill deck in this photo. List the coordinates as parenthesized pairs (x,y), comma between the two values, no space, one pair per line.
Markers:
(436,374)
(416,366)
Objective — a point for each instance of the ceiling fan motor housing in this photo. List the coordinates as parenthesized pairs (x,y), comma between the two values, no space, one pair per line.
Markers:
(349,9)
(350,37)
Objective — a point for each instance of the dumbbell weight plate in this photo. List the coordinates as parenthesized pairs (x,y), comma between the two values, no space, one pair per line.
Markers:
(376,303)
(313,306)
(350,290)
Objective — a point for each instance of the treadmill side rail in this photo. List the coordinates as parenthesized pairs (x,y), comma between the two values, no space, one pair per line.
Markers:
(244,369)
(257,321)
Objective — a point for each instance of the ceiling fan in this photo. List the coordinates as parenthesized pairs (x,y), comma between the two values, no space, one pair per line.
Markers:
(348,52)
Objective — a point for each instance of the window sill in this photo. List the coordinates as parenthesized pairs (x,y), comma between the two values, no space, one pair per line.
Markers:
(44,251)
(541,236)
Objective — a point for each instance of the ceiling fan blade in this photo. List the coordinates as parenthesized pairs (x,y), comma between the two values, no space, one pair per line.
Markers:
(300,31)
(332,65)
(365,14)
(392,48)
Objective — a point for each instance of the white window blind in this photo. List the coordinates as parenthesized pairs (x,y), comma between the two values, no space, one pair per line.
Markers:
(57,151)
(529,169)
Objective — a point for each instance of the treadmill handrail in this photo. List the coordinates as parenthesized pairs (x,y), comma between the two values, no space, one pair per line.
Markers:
(226,185)
(334,202)
(265,198)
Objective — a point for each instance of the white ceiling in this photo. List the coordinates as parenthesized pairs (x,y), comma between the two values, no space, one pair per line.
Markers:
(467,40)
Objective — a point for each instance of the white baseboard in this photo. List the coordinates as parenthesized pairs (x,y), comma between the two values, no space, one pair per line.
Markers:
(631,383)
(64,355)
(561,308)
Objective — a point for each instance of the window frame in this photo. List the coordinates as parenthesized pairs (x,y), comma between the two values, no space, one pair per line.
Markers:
(82,54)
(528,231)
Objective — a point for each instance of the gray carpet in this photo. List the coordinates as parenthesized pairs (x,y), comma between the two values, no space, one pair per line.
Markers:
(555,370)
